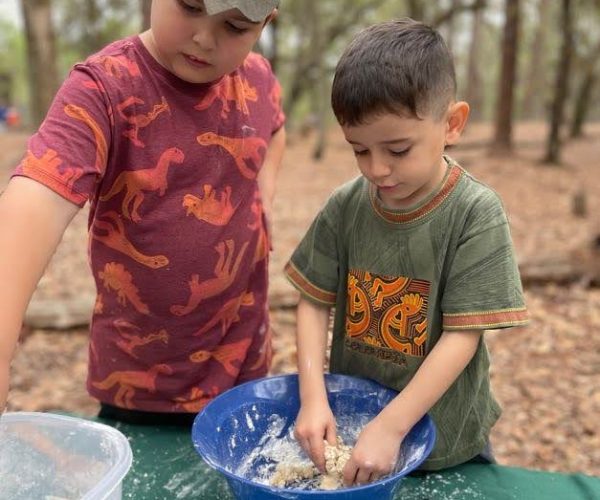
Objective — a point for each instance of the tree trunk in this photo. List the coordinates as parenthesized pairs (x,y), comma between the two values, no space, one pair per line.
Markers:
(474,93)
(41,56)
(507,80)
(533,100)
(145,13)
(93,39)
(582,103)
(416,10)
(451,26)
(553,144)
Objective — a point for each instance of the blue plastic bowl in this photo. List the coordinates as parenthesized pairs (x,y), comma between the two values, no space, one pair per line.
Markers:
(231,426)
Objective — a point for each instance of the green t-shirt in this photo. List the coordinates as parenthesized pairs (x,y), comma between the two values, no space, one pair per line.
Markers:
(399,278)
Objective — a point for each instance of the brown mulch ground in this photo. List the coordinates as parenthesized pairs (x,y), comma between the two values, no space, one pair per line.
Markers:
(547,376)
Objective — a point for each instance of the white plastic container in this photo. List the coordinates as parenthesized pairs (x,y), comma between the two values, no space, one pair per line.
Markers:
(51,457)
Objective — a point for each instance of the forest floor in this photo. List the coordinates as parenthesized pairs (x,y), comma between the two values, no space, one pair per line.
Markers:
(546,376)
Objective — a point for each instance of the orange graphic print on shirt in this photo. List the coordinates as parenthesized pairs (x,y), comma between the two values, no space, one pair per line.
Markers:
(214,208)
(225,274)
(49,164)
(228,314)
(116,277)
(197,399)
(128,341)
(241,150)
(116,239)
(387,313)
(226,355)
(128,381)
(117,66)
(135,182)
(80,114)
(141,120)
(234,89)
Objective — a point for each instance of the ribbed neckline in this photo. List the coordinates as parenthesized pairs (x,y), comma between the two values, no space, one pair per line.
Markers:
(425,206)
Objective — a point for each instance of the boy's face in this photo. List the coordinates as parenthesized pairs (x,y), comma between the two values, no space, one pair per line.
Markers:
(402,156)
(196,47)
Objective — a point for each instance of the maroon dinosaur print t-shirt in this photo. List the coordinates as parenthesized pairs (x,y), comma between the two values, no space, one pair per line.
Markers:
(178,245)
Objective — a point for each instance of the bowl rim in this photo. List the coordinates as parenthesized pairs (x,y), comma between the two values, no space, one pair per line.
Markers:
(124,456)
(426,419)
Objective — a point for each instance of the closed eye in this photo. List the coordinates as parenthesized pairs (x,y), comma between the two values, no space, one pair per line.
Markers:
(402,152)
(235,29)
(361,152)
(193,7)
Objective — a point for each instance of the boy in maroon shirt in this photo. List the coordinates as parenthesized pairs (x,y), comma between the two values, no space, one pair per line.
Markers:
(174,137)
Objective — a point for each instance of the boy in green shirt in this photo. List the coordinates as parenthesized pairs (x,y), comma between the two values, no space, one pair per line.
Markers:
(415,255)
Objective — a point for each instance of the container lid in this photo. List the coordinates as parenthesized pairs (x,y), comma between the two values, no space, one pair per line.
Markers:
(49,456)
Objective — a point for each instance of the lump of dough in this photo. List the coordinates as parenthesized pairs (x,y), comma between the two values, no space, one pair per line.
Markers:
(335,459)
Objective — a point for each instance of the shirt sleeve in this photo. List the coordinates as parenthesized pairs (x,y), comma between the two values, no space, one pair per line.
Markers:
(483,289)
(314,266)
(69,152)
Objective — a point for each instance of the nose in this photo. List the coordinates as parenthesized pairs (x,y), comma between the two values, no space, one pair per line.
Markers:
(204,33)
(379,167)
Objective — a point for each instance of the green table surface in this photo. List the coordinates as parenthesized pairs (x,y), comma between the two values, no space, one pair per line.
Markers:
(166,466)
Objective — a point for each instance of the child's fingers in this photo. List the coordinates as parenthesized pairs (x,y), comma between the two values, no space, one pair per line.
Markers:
(362,475)
(317,453)
(330,433)
(349,472)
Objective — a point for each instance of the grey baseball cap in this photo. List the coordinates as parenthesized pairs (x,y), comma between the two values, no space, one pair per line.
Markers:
(255,10)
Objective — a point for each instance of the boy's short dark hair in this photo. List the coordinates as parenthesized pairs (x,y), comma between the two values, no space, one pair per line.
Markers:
(401,67)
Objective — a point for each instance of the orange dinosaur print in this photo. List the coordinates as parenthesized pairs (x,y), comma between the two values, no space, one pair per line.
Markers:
(381,289)
(135,182)
(116,239)
(115,276)
(230,89)
(358,318)
(241,149)
(99,305)
(262,244)
(48,164)
(129,381)
(275,96)
(128,341)
(228,314)
(80,114)
(225,272)
(140,120)
(92,85)
(396,317)
(197,400)
(226,354)
(117,65)
(212,208)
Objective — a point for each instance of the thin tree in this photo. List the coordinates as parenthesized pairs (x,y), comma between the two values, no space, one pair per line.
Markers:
(534,81)
(145,13)
(507,80)
(553,144)
(474,92)
(41,56)
(585,92)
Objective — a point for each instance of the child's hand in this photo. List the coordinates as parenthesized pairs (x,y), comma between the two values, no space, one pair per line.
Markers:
(314,425)
(374,454)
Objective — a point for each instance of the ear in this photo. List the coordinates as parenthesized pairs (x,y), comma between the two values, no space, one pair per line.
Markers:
(458,113)
(271,17)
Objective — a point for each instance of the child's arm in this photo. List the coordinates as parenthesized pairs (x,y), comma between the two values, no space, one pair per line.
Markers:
(32,221)
(377,447)
(268,173)
(315,421)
